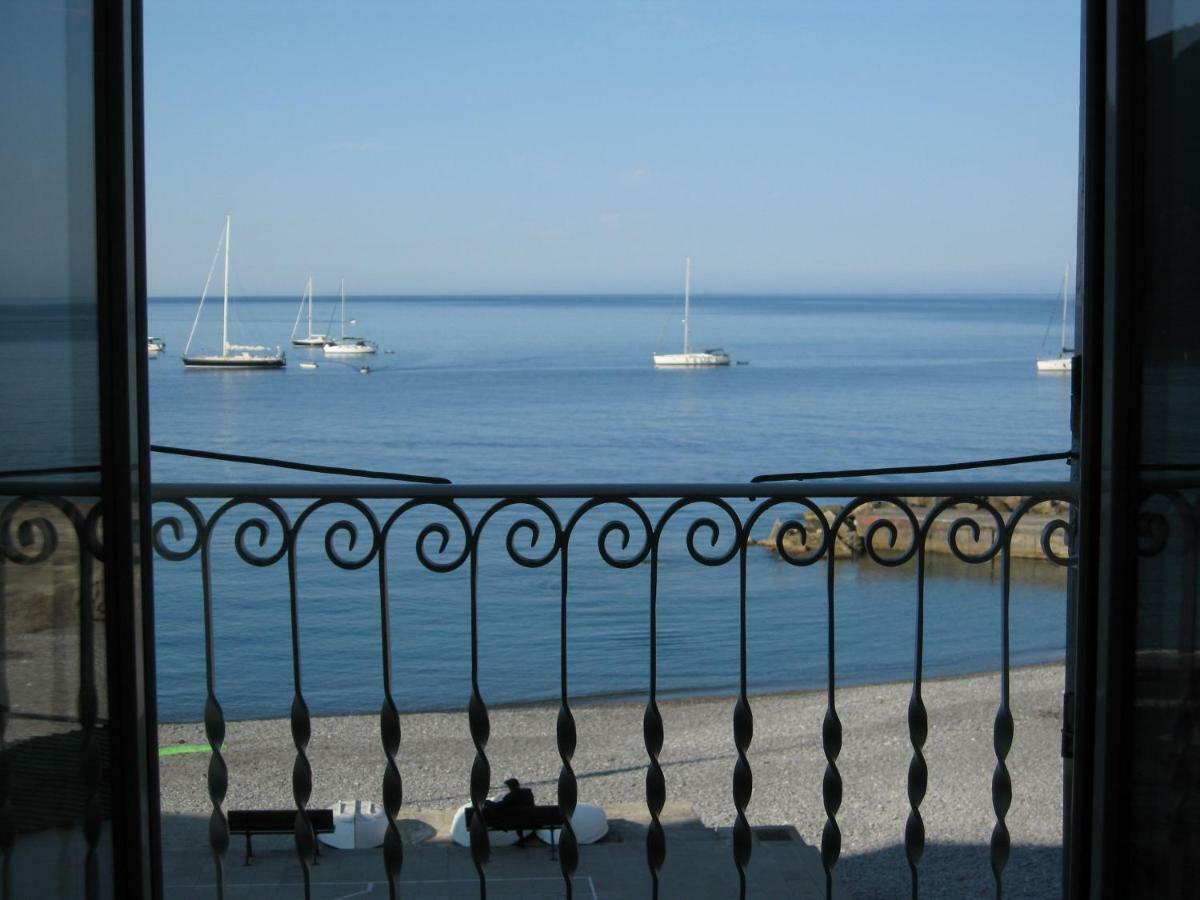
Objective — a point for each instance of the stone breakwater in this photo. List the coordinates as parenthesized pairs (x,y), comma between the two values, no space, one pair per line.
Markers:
(850,540)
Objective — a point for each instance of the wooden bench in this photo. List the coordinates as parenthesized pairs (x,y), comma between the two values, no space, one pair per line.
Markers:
(523,818)
(276,821)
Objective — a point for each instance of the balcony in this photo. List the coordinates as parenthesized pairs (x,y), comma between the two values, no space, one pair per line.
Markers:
(695,803)
(396,537)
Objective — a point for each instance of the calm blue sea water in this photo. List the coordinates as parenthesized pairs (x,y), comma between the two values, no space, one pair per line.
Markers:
(561,389)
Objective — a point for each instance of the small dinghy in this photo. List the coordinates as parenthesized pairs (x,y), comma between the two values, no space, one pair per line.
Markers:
(308,365)
(357,825)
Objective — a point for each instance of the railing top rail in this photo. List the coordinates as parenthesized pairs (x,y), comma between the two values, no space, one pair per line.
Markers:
(640,490)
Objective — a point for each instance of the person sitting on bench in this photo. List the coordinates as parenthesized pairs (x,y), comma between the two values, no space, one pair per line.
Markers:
(516,797)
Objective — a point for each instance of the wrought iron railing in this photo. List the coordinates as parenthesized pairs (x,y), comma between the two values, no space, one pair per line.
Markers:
(896,524)
(904,522)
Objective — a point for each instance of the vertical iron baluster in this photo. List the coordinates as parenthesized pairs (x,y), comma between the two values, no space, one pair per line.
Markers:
(89,752)
(6,811)
(568,787)
(831,743)
(743,734)
(480,727)
(1002,732)
(301,722)
(214,723)
(652,733)
(918,730)
(389,732)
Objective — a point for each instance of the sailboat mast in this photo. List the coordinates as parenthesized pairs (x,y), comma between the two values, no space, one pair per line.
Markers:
(225,303)
(1066,278)
(687,292)
(342,289)
(310,334)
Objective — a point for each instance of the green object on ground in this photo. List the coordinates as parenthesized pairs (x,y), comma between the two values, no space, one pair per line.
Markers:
(177,749)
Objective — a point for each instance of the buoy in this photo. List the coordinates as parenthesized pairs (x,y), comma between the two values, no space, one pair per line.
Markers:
(365,369)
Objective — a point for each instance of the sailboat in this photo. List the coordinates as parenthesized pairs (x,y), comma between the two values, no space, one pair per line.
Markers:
(1062,362)
(711,357)
(311,340)
(232,356)
(347,345)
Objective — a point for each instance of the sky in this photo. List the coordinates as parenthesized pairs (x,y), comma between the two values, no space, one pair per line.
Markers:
(797,146)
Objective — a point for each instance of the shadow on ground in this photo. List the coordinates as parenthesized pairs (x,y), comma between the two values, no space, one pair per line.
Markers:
(953,871)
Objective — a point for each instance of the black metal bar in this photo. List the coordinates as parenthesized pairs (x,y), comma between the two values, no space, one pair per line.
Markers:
(916,469)
(389,733)
(566,739)
(214,723)
(1002,734)
(131,769)
(652,736)
(57,470)
(1115,443)
(831,738)
(662,490)
(918,731)
(480,728)
(298,466)
(301,726)
(743,734)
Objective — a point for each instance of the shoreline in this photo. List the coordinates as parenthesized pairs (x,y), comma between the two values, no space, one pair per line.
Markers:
(668,695)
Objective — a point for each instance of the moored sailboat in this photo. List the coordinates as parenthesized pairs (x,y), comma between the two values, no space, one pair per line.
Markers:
(311,339)
(1062,362)
(347,345)
(232,356)
(714,356)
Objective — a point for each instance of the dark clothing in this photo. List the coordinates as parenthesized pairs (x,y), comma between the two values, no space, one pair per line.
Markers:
(514,798)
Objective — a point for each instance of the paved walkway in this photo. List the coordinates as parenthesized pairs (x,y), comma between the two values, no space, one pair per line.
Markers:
(699,864)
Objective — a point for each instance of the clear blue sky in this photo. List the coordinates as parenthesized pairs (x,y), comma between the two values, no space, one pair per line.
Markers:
(450,147)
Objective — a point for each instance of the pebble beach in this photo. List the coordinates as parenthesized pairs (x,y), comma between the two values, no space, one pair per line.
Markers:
(786,757)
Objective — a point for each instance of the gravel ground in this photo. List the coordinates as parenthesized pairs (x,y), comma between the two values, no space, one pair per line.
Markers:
(698,757)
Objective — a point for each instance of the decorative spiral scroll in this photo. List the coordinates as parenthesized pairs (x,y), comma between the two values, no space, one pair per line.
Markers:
(517,554)
(617,527)
(175,526)
(432,530)
(1064,526)
(347,528)
(33,540)
(969,524)
(708,525)
(885,527)
(262,532)
(792,526)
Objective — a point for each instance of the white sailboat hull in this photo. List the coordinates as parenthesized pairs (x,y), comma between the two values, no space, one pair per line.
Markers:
(707,358)
(1059,364)
(235,361)
(350,347)
(316,340)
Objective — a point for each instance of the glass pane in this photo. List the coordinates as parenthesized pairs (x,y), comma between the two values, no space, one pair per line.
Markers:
(53,711)
(1166,805)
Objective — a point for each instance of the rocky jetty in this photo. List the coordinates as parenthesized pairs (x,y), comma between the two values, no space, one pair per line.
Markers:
(854,530)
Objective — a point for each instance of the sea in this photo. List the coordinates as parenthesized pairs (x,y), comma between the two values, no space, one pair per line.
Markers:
(539,389)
